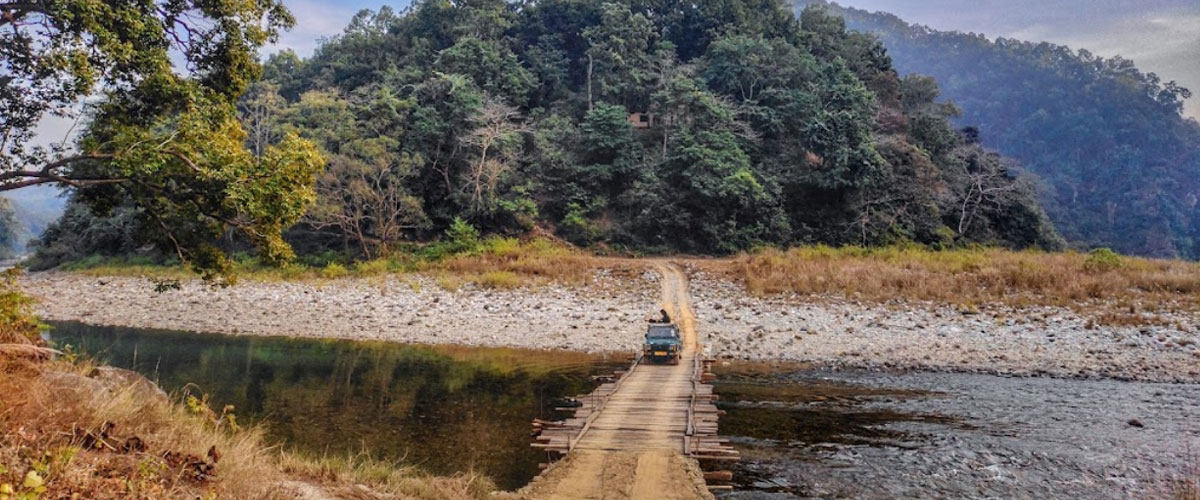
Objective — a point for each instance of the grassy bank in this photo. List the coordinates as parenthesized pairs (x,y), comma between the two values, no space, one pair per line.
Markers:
(71,429)
(62,434)
(1126,289)
(494,262)
(1115,289)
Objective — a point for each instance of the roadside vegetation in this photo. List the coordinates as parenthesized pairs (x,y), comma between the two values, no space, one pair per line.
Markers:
(1125,290)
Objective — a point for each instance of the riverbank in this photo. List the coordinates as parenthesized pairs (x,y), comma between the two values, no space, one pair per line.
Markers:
(606,314)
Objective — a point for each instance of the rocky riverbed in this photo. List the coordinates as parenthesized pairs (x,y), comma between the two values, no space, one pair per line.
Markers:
(837,332)
(607,314)
(869,435)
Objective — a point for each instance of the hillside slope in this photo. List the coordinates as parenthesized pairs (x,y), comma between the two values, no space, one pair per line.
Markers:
(1121,163)
(697,126)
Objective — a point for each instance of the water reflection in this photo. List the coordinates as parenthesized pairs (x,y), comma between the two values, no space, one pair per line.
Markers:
(444,409)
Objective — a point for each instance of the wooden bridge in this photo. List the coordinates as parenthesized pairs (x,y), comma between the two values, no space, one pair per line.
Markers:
(650,409)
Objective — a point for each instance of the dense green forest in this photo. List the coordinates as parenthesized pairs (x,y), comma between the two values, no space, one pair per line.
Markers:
(658,125)
(1121,163)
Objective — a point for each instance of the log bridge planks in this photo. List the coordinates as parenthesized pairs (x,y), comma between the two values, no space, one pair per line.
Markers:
(647,407)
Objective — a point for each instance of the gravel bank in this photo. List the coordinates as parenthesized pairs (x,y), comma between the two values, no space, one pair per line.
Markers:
(1037,341)
(607,316)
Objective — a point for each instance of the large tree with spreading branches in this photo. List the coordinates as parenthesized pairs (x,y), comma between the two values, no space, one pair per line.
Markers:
(156,83)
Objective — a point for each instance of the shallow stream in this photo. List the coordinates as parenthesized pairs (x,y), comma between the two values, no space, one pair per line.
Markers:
(870,435)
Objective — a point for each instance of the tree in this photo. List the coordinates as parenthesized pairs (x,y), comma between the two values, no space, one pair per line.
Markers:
(259,110)
(496,139)
(512,116)
(368,202)
(9,229)
(170,143)
(986,183)
(617,54)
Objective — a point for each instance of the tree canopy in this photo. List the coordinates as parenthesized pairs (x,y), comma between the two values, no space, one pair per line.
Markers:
(1121,164)
(164,137)
(656,124)
(661,125)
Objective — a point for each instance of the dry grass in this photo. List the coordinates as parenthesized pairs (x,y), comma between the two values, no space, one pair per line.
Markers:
(507,263)
(387,478)
(495,262)
(1187,490)
(1126,287)
(48,408)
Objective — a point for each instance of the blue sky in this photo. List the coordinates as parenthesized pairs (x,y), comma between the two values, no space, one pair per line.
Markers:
(1161,36)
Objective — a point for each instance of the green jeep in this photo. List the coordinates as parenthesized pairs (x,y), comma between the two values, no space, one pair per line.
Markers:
(663,343)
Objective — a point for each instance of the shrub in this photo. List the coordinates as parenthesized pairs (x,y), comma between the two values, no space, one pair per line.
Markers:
(499,279)
(1102,260)
(449,283)
(502,247)
(334,270)
(462,236)
(372,267)
(17,322)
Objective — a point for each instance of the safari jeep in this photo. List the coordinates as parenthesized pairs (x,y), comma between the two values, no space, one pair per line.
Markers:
(663,344)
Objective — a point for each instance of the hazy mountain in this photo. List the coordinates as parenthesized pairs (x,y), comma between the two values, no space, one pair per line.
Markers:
(1121,163)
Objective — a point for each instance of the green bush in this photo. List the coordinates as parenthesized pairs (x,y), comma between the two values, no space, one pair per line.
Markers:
(334,270)
(462,237)
(1102,260)
(321,259)
(372,267)
(497,245)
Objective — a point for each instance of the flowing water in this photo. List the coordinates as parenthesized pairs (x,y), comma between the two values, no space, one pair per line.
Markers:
(444,409)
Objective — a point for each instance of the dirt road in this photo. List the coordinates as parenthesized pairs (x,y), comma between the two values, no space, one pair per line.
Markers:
(634,448)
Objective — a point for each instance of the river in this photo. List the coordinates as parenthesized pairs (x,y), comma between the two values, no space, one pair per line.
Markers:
(803,433)
(443,409)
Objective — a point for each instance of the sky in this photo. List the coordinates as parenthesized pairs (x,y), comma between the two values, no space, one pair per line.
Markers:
(1160,36)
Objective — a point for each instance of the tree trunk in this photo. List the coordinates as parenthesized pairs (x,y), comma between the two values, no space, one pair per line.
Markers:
(589,82)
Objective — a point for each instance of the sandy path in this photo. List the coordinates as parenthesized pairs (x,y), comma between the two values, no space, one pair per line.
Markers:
(634,449)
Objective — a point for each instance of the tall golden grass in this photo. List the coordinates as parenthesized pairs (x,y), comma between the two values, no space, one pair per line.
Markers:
(970,276)
(508,263)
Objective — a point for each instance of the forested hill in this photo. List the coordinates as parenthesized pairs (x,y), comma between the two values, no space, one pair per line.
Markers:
(1121,162)
(678,125)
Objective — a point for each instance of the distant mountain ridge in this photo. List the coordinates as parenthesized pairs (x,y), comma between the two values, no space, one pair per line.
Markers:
(1120,163)
(33,210)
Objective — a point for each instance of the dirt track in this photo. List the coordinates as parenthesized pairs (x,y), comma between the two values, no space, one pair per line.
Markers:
(633,450)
